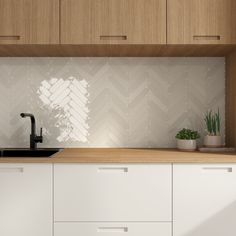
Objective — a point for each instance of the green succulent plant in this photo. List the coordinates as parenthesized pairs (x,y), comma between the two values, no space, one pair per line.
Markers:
(187,134)
(213,123)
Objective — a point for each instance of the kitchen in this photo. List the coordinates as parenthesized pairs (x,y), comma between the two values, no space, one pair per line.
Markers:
(117,117)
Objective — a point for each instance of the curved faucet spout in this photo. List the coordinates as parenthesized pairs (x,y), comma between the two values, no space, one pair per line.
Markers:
(33,126)
(34,139)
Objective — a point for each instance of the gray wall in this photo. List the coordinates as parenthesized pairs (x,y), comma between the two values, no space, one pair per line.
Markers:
(108,102)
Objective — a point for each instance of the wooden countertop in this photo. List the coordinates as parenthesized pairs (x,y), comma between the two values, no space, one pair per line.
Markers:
(127,155)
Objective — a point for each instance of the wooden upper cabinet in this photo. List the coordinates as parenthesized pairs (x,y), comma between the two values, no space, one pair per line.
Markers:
(201,22)
(29,21)
(113,21)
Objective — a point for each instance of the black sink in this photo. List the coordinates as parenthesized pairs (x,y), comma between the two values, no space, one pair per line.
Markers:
(47,152)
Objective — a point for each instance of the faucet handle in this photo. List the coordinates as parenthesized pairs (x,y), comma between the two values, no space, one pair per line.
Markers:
(41,135)
(39,139)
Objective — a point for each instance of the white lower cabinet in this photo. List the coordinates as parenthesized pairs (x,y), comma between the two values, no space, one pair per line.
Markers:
(94,192)
(204,200)
(127,199)
(110,229)
(26,200)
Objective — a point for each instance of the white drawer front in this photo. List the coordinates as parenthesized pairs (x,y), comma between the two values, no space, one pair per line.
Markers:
(204,199)
(105,229)
(26,199)
(112,192)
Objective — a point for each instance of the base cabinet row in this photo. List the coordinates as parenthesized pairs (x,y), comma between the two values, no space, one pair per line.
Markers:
(134,199)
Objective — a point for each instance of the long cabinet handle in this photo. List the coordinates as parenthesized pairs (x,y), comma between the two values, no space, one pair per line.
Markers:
(112,229)
(113,37)
(9,37)
(227,169)
(207,37)
(113,169)
(11,170)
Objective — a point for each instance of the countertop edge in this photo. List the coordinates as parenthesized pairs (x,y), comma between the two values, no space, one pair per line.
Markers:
(127,156)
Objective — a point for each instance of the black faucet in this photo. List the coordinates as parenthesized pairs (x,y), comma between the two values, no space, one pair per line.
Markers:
(34,139)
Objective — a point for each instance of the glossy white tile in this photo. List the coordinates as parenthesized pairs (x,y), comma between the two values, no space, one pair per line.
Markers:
(108,102)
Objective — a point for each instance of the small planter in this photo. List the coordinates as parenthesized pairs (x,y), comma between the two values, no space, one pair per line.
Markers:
(186,145)
(212,141)
(213,124)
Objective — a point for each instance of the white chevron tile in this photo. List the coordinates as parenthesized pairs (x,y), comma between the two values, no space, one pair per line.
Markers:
(97,102)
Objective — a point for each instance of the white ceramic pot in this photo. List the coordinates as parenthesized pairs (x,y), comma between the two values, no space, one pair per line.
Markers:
(186,145)
(212,141)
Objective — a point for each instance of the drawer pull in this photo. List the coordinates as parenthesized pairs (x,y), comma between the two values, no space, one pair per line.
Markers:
(227,169)
(206,37)
(113,169)
(113,229)
(113,37)
(9,37)
(12,170)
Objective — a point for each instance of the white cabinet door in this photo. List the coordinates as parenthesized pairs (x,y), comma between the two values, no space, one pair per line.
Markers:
(25,200)
(204,200)
(110,229)
(112,192)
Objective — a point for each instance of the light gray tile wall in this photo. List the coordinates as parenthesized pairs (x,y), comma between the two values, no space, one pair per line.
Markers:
(108,102)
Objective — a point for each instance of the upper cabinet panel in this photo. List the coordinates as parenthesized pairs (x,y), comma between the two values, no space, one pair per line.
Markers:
(113,21)
(201,22)
(29,21)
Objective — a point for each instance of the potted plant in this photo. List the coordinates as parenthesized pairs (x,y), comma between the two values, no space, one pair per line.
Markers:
(186,139)
(213,123)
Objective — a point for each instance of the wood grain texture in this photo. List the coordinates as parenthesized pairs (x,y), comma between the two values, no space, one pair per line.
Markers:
(123,21)
(231,100)
(29,22)
(127,155)
(115,50)
(201,22)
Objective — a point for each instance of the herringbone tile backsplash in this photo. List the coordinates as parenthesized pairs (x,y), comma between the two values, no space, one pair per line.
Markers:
(108,102)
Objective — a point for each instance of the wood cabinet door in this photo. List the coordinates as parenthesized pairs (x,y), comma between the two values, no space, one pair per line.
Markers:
(29,21)
(204,199)
(113,21)
(201,22)
(26,200)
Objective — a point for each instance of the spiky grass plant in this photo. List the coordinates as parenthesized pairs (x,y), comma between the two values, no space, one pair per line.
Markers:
(213,123)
